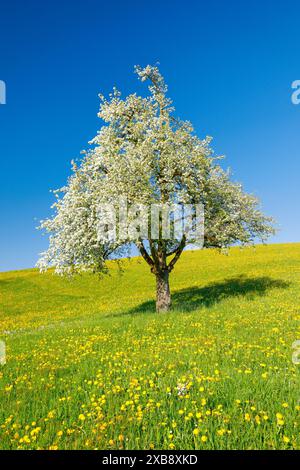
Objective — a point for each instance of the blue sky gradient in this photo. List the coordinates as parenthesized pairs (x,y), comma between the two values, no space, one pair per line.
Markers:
(229,67)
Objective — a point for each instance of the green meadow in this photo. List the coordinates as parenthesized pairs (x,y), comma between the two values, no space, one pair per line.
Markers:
(90,365)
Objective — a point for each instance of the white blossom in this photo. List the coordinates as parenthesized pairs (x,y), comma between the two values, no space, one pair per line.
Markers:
(144,153)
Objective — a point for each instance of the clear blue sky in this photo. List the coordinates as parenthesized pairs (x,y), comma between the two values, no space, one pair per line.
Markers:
(229,66)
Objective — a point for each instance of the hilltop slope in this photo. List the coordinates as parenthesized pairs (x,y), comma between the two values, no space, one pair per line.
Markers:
(90,365)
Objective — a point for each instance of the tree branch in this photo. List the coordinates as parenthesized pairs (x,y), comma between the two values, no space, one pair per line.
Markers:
(154,253)
(144,253)
(178,252)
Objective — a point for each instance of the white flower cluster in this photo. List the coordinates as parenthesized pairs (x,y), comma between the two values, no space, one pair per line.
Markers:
(143,153)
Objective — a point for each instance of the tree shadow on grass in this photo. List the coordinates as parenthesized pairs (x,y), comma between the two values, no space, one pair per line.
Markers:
(190,299)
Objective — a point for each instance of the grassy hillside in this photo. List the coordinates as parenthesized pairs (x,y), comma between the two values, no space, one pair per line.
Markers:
(90,365)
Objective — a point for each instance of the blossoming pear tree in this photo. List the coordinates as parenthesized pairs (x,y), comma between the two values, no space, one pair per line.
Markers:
(146,155)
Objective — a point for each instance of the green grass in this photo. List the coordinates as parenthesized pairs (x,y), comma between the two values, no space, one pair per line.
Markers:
(90,365)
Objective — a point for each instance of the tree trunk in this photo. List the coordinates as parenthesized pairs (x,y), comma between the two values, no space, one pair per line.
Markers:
(163,296)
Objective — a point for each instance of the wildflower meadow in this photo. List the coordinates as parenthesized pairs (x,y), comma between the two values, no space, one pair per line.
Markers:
(89,365)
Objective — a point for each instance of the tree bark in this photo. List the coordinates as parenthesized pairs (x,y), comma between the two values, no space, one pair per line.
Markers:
(163,295)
